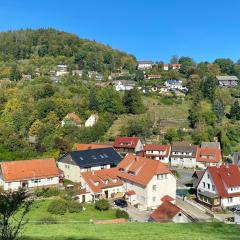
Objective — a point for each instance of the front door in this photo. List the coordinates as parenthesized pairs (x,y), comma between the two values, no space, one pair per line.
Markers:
(83,198)
(106,194)
(24,184)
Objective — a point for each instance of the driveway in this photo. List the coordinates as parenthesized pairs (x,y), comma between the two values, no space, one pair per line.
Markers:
(193,211)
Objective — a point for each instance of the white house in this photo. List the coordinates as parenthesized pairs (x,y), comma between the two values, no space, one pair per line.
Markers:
(183,154)
(149,179)
(61,70)
(91,121)
(237,217)
(75,162)
(220,186)
(77,73)
(124,85)
(174,84)
(145,65)
(39,173)
(100,184)
(157,152)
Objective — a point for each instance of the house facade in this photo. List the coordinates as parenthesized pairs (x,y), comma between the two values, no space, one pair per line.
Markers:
(157,152)
(220,187)
(128,144)
(71,119)
(183,154)
(145,65)
(76,162)
(174,84)
(149,179)
(91,121)
(61,70)
(208,156)
(124,85)
(30,174)
(227,81)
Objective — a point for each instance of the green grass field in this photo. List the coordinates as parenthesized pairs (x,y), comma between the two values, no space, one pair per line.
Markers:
(127,231)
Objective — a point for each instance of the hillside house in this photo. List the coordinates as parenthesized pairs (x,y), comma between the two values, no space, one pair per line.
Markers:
(101,184)
(227,81)
(149,180)
(85,146)
(71,119)
(76,162)
(128,144)
(26,77)
(208,156)
(144,65)
(174,84)
(183,154)
(153,76)
(77,73)
(157,152)
(95,75)
(29,174)
(220,187)
(167,67)
(61,70)
(91,121)
(123,85)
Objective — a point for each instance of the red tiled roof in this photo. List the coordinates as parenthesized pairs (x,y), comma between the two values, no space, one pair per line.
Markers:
(74,117)
(165,212)
(106,178)
(29,169)
(82,146)
(209,155)
(144,169)
(126,142)
(130,193)
(225,176)
(157,147)
(167,198)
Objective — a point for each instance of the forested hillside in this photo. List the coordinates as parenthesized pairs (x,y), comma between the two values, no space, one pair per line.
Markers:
(46,47)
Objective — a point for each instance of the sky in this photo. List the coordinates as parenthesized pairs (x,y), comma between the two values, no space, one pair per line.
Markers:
(149,29)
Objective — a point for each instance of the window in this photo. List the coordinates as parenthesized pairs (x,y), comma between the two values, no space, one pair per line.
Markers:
(49,179)
(208,176)
(213,187)
(204,184)
(9,184)
(154,187)
(160,177)
(166,176)
(66,166)
(154,199)
(230,200)
(208,186)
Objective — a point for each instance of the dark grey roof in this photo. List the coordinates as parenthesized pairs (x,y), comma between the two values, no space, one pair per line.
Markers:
(184,147)
(92,157)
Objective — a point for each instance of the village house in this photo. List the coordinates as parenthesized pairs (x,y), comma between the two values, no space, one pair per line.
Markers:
(91,121)
(174,84)
(75,162)
(166,67)
(144,65)
(77,73)
(227,81)
(101,184)
(183,154)
(128,144)
(95,75)
(88,146)
(30,174)
(153,76)
(208,156)
(147,180)
(123,85)
(26,77)
(157,152)
(220,187)
(61,70)
(71,119)
(169,212)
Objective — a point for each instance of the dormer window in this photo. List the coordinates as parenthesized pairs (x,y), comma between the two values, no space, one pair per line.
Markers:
(106,181)
(122,170)
(114,180)
(132,173)
(96,183)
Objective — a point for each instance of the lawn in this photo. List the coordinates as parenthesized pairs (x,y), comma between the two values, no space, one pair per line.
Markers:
(127,231)
(39,212)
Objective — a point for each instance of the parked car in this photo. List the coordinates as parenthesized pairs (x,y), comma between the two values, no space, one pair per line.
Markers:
(235,208)
(121,203)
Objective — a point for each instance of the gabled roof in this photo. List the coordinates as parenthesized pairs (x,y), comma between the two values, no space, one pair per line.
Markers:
(225,175)
(157,147)
(165,212)
(140,170)
(209,155)
(102,179)
(167,198)
(184,147)
(92,157)
(29,169)
(83,146)
(126,142)
(73,117)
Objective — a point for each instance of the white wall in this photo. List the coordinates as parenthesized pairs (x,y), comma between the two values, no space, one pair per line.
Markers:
(229,202)
(31,183)
(183,162)
(181,218)
(139,146)
(209,186)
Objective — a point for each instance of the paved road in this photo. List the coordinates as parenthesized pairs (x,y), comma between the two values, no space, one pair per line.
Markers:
(194,212)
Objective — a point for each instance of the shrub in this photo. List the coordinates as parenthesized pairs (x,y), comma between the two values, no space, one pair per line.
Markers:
(122,214)
(74,207)
(48,220)
(102,205)
(47,192)
(58,207)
